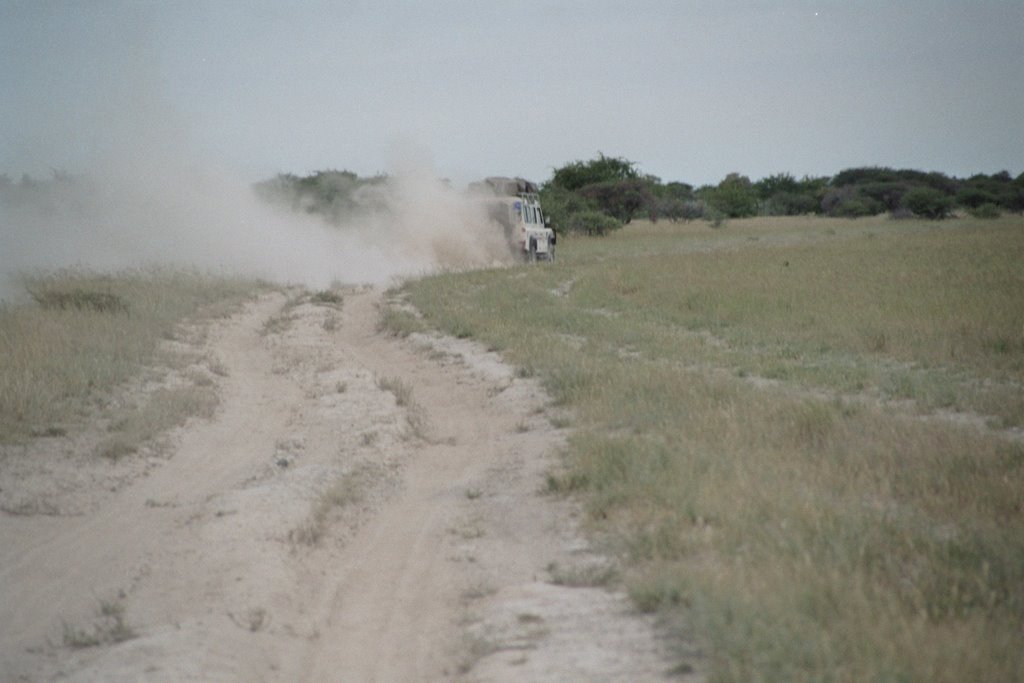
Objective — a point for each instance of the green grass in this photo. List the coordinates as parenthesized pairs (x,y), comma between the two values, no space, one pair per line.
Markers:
(86,333)
(760,427)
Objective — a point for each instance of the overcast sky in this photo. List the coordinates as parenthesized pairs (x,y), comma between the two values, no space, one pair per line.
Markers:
(690,90)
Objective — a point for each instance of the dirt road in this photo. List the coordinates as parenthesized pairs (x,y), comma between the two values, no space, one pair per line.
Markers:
(361,508)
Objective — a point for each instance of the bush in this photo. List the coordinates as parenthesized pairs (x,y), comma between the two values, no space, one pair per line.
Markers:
(988,210)
(974,197)
(672,209)
(889,195)
(857,207)
(847,202)
(592,223)
(693,209)
(791,204)
(928,203)
(715,217)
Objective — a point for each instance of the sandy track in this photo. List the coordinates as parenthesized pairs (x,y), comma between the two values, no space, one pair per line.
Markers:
(316,530)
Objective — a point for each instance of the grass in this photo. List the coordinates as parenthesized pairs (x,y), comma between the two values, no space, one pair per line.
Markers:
(582,576)
(109,627)
(346,490)
(283,321)
(761,427)
(327,297)
(278,324)
(400,323)
(87,333)
(415,416)
(165,409)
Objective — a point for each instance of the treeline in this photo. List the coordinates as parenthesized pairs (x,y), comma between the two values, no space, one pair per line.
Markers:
(605,193)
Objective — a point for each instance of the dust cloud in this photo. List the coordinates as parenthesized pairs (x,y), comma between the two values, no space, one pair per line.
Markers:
(140,192)
(135,211)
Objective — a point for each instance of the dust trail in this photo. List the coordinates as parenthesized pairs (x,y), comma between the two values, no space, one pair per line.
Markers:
(162,210)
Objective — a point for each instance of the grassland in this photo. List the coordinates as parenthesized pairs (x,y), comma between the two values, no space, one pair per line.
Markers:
(85,333)
(801,436)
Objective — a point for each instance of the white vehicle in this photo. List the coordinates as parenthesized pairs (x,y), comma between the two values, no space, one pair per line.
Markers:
(513,203)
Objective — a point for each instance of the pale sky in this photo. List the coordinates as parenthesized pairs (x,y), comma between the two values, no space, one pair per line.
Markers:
(690,90)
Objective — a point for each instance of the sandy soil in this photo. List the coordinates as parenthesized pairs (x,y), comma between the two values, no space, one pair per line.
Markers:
(317,529)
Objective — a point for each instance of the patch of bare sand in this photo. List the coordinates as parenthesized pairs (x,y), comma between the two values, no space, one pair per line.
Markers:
(316,530)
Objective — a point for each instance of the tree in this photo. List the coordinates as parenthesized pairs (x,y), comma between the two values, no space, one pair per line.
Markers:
(865,174)
(972,196)
(928,202)
(331,194)
(621,199)
(560,204)
(677,190)
(735,196)
(579,174)
(776,184)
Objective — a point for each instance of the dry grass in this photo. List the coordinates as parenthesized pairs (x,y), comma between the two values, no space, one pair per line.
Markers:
(415,416)
(346,490)
(749,407)
(399,323)
(59,360)
(108,628)
(164,409)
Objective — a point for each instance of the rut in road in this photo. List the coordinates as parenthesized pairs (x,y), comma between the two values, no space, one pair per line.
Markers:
(362,508)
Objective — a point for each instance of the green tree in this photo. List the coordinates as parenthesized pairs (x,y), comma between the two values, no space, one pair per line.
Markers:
(735,196)
(772,185)
(561,204)
(677,190)
(578,174)
(621,199)
(928,202)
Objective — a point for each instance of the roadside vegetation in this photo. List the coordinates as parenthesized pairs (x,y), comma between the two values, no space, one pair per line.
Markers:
(82,334)
(800,435)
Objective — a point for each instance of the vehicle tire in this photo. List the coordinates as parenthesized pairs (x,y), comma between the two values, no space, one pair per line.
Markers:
(551,253)
(532,255)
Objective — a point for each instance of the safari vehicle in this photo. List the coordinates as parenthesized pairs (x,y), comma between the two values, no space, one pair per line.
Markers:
(513,204)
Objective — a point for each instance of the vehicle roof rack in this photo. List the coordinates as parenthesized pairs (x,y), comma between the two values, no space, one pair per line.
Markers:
(511,187)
